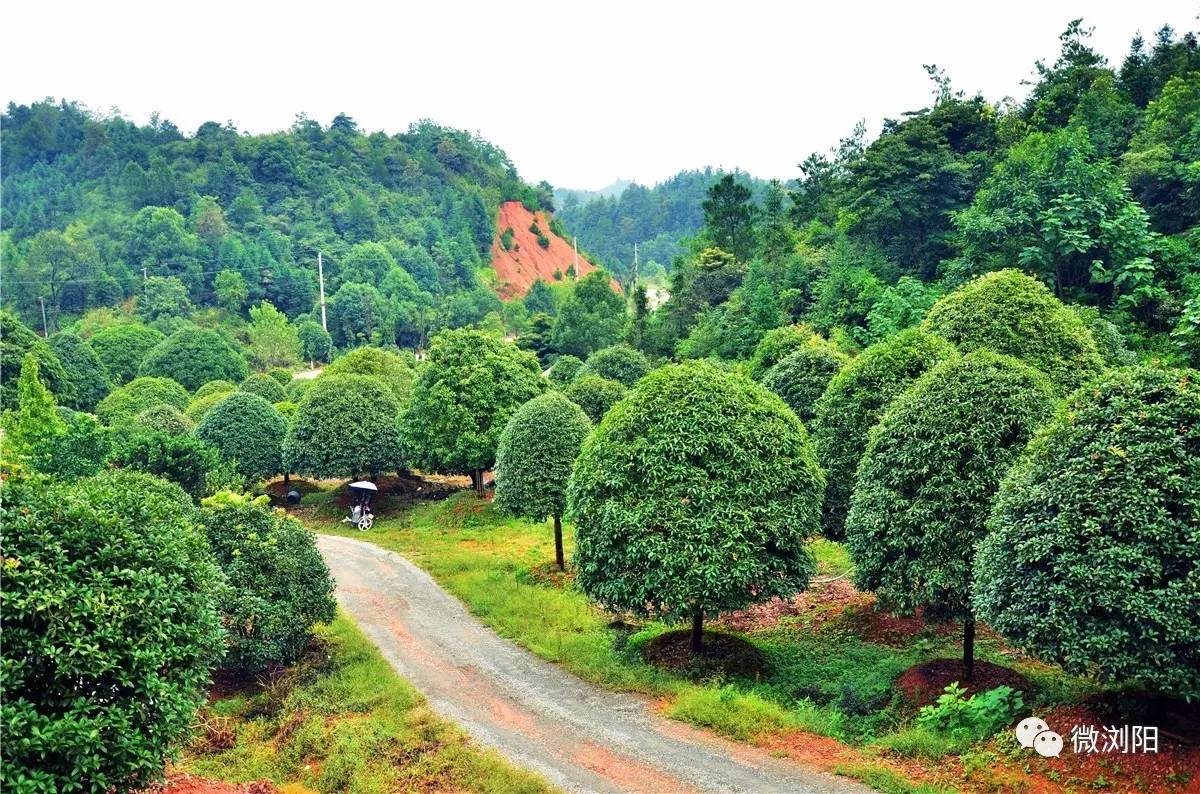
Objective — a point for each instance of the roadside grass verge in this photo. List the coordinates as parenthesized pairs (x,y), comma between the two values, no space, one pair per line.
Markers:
(342,720)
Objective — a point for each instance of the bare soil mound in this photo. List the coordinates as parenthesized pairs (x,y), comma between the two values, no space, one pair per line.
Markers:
(525,260)
(722,654)
(922,683)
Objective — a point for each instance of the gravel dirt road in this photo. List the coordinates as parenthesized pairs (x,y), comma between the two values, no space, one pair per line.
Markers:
(577,736)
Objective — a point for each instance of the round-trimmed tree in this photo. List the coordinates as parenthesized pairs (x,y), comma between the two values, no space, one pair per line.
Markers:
(199,406)
(214,387)
(533,462)
(315,342)
(467,391)
(284,376)
(1009,312)
(852,405)
(696,494)
(1093,561)
(126,402)
(108,607)
(193,357)
(563,370)
(595,395)
(167,419)
(264,386)
(17,341)
(121,349)
(801,376)
(928,477)
(620,363)
(776,345)
(345,426)
(247,429)
(83,369)
(392,369)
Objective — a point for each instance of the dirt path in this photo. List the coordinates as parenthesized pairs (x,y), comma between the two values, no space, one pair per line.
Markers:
(576,735)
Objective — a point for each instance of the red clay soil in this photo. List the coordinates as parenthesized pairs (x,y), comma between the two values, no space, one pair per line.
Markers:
(720,653)
(526,261)
(921,684)
(182,783)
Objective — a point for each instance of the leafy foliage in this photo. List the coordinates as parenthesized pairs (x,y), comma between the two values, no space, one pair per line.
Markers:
(35,420)
(590,318)
(564,370)
(670,533)
(184,460)
(315,342)
(193,357)
(122,347)
(135,623)
(167,419)
(388,366)
(800,377)
(214,387)
(264,386)
(777,345)
(246,429)
(278,584)
(345,426)
(16,342)
(620,363)
(126,402)
(1093,554)
(83,369)
(537,450)
(976,717)
(595,395)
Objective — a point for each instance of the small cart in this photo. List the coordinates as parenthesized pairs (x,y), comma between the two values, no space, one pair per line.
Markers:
(360,514)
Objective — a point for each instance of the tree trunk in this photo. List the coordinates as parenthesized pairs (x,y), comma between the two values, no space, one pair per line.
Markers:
(477,481)
(697,630)
(287,479)
(969,648)
(558,549)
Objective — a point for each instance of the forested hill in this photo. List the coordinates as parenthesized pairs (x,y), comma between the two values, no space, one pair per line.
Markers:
(402,220)
(656,218)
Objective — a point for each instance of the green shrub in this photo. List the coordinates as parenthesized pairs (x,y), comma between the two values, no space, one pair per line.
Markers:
(801,376)
(214,387)
(595,395)
(287,409)
(506,238)
(122,348)
(284,376)
(776,345)
(928,477)
(620,363)
(563,370)
(184,460)
(852,405)
(1015,314)
(193,357)
(667,520)
(126,402)
(388,366)
(297,388)
(1110,342)
(1093,558)
(279,586)
(165,419)
(199,406)
(247,429)
(534,459)
(315,342)
(81,450)
(84,371)
(264,386)
(976,717)
(110,629)
(345,426)
(17,341)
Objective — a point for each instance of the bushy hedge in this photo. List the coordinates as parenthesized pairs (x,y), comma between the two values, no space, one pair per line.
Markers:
(1015,314)
(1094,557)
(620,363)
(801,376)
(193,357)
(278,585)
(214,387)
(667,520)
(165,419)
(17,341)
(110,629)
(184,460)
(87,376)
(126,402)
(853,403)
(563,370)
(246,429)
(345,426)
(81,450)
(122,348)
(595,395)
(264,386)
(388,366)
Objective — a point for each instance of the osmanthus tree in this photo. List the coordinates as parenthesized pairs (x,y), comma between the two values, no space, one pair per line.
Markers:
(315,342)
(695,495)
(193,357)
(16,341)
(928,477)
(563,370)
(776,345)
(137,624)
(801,376)
(122,347)
(1093,561)
(345,426)
(264,386)
(84,371)
(595,395)
(392,369)
(533,461)
(468,389)
(247,430)
(126,402)
(852,404)
(1015,314)
(620,363)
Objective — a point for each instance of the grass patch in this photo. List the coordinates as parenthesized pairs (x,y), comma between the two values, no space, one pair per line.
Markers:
(342,720)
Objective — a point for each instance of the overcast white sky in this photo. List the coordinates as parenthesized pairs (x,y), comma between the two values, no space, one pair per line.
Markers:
(577,94)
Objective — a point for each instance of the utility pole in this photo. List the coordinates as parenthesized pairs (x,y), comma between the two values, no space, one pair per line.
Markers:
(575,245)
(145,277)
(635,264)
(45,330)
(321,279)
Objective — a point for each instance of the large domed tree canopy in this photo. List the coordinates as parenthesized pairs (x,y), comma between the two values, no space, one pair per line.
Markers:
(1094,557)
(1015,314)
(620,363)
(15,342)
(468,389)
(776,345)
(564,370)
(801,376)
(263,385)
(853,403)
(121,349)
(533,462)
(345,426)
(108,607)
(84,371)
(392,369)
(193,357)
(928,477)
(126,402)
(247,429)
(595,395)
(695,495)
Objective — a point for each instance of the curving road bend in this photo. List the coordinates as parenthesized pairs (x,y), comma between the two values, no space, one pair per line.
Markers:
(577,736)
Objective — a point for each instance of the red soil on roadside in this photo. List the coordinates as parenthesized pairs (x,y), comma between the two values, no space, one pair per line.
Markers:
(182,783)
(526,261)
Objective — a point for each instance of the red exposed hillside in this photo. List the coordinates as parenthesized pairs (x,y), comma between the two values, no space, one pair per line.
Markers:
(525,261)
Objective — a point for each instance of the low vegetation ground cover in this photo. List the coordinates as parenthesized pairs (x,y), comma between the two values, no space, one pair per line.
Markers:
(827,692)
